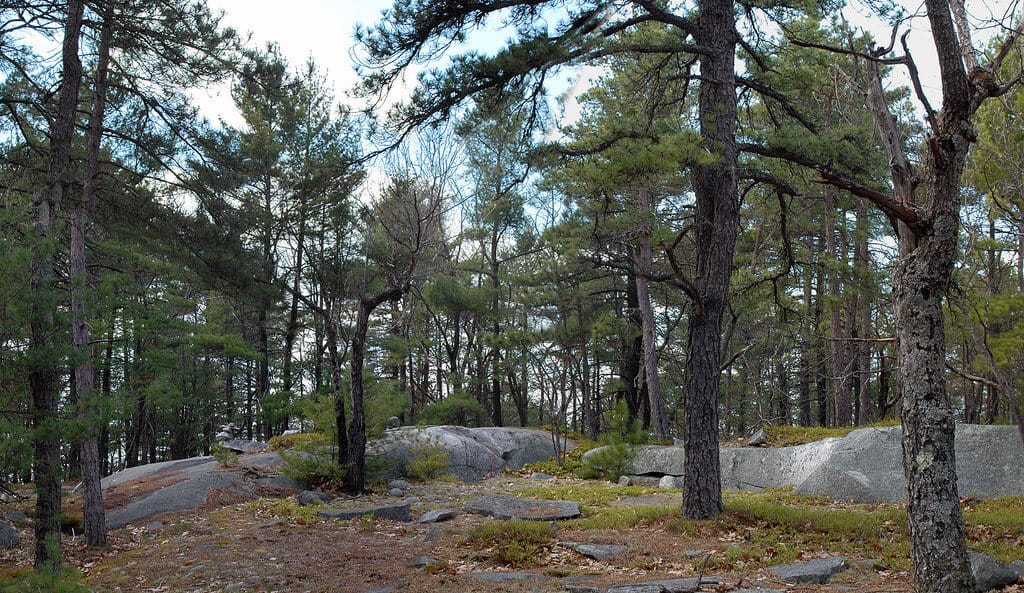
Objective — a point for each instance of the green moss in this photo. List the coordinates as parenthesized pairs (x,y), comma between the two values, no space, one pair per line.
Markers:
(995,527)
(624,517)
(787,436)
(274,508)
(515,543)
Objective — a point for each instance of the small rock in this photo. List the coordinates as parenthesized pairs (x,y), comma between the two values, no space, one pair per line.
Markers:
(639,481)
(691,554)
(758,590)
(15,516)
(393,513)
(990,573)
(595,551)
(428,563)
(437,516)
(8,536)
(399,484)
(541,476)
(759,439)
(583,589)
(814,571)
(434,533)
(397,492)
(387,588)
(203,528)
(308,497)
(155,526)
(1017,566)
(670,482)
(411,499)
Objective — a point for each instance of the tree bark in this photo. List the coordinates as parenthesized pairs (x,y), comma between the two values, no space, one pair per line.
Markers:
(44,369)
(355,480)
(716,223)
(93,516)
(644,257)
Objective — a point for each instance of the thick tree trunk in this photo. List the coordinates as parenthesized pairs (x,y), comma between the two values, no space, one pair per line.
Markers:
(44,370)
(716,223)
(921,281)
(93,516)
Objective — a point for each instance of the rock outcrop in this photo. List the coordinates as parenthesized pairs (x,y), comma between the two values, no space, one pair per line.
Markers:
(864,466)
(472,452)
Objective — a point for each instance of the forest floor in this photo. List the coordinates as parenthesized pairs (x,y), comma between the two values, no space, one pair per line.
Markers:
(277,545)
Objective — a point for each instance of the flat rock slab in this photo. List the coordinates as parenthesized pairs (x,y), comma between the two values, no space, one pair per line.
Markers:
(393,513)
(669,586)
(814,571)
(990,573)
(8,536)
(596,551)
(190,493)
(1017,566)
(436,516)
(510,507)
(507,577)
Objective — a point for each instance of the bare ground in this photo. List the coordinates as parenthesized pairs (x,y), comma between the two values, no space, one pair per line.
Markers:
(267,546)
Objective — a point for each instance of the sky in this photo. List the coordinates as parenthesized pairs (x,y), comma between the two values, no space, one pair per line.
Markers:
(323,29)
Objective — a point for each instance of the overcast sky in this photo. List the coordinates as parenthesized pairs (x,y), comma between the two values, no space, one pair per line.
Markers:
(319,28)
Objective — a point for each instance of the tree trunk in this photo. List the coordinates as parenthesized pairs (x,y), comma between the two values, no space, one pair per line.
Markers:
(44,369)
(644,256)
(840,362)
(355,480)
(921,281)
(630,368)
(93,516)
(716,223)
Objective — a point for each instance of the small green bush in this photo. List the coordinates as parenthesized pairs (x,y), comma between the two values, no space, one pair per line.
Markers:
(313,461)
(286,442)
(516,542)
(222,454)
(64,579)
(428,460)
(458,409)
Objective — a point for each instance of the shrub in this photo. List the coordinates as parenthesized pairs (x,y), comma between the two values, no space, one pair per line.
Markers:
(224,455)
(286,442)
(458,409)
(47,580)
(428,460)
(312,461)
(516,542)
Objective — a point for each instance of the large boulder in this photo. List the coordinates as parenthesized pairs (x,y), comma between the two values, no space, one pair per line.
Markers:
(139,493)
(472,452)
(864,466)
